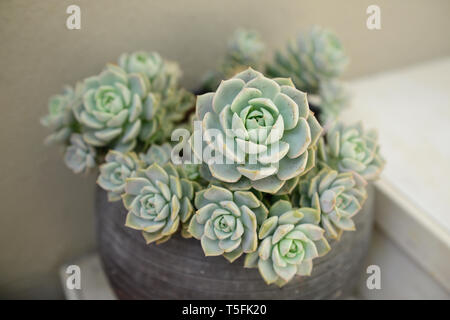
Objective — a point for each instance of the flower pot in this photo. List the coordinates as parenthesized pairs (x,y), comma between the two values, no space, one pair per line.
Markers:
(178,269)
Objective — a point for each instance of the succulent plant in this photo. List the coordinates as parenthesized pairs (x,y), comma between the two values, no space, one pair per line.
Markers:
(333,98)
(174,109)
(60,117)
(158,200)
(245,49)
(349,148)
(336,196)
(289,240)
(315,56)
(266,133)
(159,154)
(117,168)
(116,109)
(192,171)
(226,222)
(79,156)
(163,75)
(177,103)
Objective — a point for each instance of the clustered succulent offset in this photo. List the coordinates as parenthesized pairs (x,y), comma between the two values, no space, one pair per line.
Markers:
(245,49)
(333,98)
(127,107)
(315,56)
(157,154)
(226,222)
(163,75)
(114,172)
(117,109)
(350,149)
(289,242)
(267,132)
(314,61)
(60,117)
(335,195)
(159,201)
(269,181)
(79,156)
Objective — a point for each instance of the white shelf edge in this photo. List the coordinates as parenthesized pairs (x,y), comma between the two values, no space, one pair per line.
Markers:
(414,231)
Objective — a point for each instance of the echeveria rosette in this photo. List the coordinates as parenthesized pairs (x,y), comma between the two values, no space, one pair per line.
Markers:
(245,49)
(289,240)
(333,99)
(117,168)
(60,118)
(267,132)
(162,74)
(117,109)
(337,197)
(349,148)
(158,200)
(174,109)
(177,103)
(226,222)
(79,156)
(316,56)
(159,154)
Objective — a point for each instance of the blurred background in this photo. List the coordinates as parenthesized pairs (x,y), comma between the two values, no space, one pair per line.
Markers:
(47,211)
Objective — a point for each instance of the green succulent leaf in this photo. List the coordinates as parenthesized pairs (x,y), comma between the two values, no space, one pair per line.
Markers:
(314,57)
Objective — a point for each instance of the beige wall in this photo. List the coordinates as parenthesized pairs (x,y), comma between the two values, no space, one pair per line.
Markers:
(46,211)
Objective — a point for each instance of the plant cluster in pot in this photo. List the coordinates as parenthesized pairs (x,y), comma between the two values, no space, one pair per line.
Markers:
(246,191)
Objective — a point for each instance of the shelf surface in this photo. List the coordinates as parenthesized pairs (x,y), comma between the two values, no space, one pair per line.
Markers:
(410,108)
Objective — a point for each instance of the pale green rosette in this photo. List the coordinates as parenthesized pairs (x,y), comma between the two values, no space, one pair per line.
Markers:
(245,49)
(336,196)
(117,109)
(162,74)
(79,156)
(349,148)
(316,56)
(175,107)
(158,200)
(117,168)
(159,154)
(333,99)
(226,222)
(60,118)
(289,240)
(266,133)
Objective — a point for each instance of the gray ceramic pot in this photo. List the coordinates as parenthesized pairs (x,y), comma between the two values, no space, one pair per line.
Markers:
(178,269)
